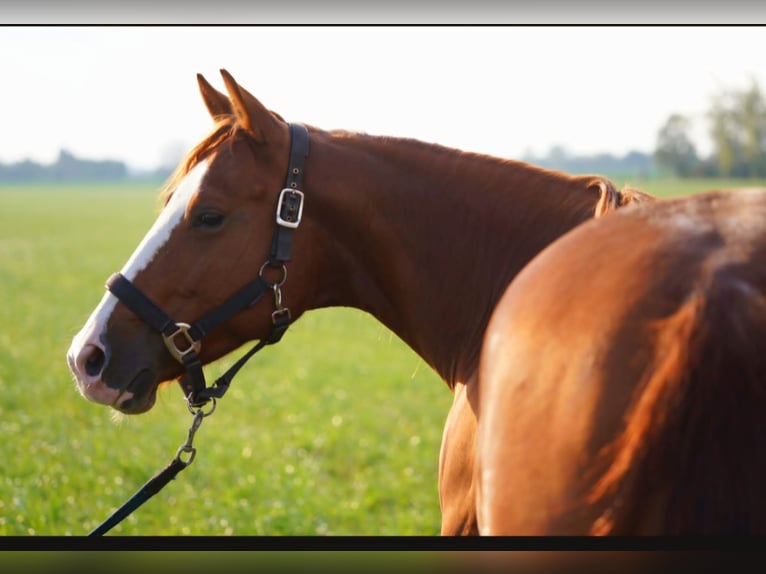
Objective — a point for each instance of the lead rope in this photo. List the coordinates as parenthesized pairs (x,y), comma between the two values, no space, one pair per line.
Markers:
(280,321)
(159,480)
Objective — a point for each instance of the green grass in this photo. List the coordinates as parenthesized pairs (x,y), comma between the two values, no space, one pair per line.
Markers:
(667,188)
(336,430)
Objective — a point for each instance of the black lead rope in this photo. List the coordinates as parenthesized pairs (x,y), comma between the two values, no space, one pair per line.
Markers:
(164,476)
(197,393)
(152,487)
(157,482)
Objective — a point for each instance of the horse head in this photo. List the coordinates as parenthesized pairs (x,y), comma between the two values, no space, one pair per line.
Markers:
(214,234)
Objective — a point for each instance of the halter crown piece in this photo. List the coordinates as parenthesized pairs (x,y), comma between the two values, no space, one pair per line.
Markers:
(183,340)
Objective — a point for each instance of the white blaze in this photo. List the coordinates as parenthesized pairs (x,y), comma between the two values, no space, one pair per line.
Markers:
(169,218)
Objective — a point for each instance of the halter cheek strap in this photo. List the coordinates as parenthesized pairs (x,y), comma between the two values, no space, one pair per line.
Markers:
(290,204)
(183,340)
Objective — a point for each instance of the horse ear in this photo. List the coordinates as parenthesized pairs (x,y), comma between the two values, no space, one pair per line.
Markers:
(252,115)
(217,103)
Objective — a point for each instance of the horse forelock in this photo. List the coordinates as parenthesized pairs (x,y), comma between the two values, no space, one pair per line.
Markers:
(224,130)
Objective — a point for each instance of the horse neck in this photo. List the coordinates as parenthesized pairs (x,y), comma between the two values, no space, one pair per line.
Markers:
(426,238)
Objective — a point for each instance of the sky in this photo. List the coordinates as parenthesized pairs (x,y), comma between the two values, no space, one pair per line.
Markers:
(130,92)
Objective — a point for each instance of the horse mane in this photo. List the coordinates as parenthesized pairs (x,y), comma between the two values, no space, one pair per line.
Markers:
(224,129)
(609,198)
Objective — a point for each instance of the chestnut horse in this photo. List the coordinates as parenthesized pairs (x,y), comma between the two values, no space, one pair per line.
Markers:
(623,378)
(423,237)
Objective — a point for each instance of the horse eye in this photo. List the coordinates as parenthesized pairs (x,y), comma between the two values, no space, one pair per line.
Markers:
(208,220)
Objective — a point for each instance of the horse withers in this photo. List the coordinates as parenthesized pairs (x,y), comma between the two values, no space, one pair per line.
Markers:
(423,237)
(623,378)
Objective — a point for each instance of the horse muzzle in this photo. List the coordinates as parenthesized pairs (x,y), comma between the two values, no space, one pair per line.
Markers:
(126,383)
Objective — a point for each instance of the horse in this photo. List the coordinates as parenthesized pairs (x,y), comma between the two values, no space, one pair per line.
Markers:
(622,380)
(423,237)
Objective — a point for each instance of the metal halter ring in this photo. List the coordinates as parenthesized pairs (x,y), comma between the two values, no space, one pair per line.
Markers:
(170,342)
(199,410)
(278,283)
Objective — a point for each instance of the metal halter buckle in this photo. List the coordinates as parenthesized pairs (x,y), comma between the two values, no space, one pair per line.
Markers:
(170,342)
(290,208)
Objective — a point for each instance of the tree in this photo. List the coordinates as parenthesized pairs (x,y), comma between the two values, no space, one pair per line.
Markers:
(675,150)
(750,114)
(66,168)
(724,131)
(738,129)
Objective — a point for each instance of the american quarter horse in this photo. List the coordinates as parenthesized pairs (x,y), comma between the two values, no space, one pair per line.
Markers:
(423,237)
(623,378)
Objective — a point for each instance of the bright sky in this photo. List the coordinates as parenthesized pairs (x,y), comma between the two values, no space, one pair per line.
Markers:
(130,93)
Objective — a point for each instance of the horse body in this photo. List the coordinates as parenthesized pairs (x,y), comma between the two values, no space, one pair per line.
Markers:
(622,381)
(423,237)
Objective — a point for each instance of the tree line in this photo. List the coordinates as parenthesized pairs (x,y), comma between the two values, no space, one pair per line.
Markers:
(634,164)
(68,168)
(737,130)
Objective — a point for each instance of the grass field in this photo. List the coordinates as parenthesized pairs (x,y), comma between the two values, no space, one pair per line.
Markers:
(335,431)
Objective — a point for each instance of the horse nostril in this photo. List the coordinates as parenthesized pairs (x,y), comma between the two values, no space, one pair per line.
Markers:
(94,362)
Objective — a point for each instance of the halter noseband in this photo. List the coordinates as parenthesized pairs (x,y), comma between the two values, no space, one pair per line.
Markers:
(288,217)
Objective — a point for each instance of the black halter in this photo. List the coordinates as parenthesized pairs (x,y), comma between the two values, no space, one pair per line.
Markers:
(288,217)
